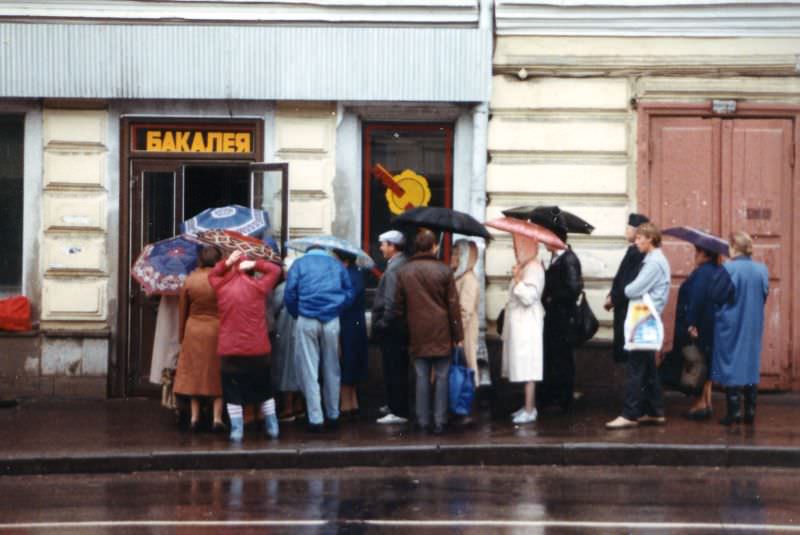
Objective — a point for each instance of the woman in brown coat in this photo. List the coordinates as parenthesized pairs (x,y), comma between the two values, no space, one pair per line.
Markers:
(198,373)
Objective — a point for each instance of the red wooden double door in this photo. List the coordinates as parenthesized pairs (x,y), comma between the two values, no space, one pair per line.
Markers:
(723,175)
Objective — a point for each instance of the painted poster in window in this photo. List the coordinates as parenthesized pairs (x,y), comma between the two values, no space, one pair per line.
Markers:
(405,166)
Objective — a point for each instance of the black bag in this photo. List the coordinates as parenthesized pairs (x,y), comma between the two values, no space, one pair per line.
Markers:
(584,323)
(501,320)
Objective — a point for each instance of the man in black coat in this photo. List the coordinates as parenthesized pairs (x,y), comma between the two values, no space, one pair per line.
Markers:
(628,269)
(563,284)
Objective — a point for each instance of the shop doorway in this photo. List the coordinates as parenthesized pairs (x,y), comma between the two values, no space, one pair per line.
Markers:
(722,174)
(164,195)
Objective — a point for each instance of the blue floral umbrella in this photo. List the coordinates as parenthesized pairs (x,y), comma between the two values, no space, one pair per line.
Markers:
(331,243)
(162,267)
(248,221)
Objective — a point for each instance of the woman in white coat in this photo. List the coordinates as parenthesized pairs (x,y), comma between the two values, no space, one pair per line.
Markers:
(524,324)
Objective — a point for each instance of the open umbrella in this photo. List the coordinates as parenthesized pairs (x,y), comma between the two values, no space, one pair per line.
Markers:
(249,221)
(332,243)
(443,220)
(162,267)
(699,238)
(551,217)
(230,240)
(528,229)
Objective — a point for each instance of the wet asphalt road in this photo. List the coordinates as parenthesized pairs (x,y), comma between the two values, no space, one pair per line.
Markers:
(419,500)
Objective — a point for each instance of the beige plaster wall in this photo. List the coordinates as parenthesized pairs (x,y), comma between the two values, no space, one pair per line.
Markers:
(305,136)
(75,198)
(563,128)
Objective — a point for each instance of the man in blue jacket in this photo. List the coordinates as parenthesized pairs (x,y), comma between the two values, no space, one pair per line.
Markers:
(317,289)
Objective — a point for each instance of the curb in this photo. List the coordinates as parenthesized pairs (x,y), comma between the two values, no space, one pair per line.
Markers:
(566,454)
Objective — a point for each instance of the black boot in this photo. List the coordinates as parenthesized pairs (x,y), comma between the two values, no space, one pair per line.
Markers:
(733,399)
(750,394)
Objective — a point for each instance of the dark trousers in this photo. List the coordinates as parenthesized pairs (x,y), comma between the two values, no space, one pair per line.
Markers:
(642,386)
(395,377)
(558,381)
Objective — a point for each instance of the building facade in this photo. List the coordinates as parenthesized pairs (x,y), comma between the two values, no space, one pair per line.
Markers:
(121,120)
(686,111)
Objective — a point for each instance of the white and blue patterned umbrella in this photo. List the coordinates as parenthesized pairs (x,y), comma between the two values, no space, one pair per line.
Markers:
(249,221)
(332,243)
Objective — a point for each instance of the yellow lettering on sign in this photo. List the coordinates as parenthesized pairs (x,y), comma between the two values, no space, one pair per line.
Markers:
(243,142)
(182,141)
(197,142)
(168,145)
(214,142)
(227,142)
(153,140)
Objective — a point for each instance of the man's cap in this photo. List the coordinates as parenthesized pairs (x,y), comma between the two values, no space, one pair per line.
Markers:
(392,236)
(635,219)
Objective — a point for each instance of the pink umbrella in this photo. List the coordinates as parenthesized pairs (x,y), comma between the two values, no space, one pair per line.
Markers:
(527,229)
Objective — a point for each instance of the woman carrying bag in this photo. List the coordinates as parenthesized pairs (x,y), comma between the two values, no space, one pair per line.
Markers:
(643,398)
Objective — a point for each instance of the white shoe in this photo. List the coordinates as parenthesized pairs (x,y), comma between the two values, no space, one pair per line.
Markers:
(517,412)
(525,417)
(392,419)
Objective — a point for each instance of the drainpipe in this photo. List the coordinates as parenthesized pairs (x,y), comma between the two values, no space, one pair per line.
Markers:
(480,125)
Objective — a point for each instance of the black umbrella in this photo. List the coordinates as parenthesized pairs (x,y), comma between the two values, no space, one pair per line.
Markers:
(551,217)
(443,220)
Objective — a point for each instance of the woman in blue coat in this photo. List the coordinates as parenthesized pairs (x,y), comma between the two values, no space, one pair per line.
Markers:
(741,292)
(694,321)
(353,337)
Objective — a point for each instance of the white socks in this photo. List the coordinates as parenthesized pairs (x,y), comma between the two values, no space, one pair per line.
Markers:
(235,411)
(268,407)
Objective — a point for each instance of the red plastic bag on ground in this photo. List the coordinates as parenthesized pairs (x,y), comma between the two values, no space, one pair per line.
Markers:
(15,314)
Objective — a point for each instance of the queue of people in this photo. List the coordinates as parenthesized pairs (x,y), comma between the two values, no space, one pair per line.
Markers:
(719,323)
(251,331)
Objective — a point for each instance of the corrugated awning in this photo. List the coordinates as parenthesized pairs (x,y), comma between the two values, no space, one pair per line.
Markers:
(191,61)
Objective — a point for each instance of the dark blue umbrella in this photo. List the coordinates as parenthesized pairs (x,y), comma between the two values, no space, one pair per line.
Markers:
(701,239)
(248,221)
(162,267)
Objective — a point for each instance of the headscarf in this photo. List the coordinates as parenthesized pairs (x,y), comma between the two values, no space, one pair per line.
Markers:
(467,253)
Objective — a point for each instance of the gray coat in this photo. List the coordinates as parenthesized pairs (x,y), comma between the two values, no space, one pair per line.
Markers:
(383,305)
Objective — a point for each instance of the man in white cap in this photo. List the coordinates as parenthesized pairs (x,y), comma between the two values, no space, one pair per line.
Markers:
(388,331)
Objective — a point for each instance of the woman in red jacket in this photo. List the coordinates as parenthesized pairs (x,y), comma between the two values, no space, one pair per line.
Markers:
(243,342)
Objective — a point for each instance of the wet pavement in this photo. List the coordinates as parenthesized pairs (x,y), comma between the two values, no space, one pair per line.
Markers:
(137,434)
(422,499)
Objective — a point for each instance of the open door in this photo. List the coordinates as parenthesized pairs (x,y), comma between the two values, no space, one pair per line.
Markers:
(270,182)
(164,193)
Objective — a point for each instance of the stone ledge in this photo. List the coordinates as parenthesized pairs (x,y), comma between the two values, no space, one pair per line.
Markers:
(566,454)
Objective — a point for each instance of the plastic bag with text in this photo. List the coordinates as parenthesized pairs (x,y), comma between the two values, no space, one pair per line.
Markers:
(644,330)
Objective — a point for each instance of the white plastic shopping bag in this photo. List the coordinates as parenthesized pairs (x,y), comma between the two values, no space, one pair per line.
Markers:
(644,330)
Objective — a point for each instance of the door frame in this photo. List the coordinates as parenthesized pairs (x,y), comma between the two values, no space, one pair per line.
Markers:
(646,111)
(366,166)
(118,361)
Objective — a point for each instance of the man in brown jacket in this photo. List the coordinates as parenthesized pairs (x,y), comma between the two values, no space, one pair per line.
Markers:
(426,297)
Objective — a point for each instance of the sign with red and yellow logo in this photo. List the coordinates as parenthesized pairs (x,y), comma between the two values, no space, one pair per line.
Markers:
(404,191)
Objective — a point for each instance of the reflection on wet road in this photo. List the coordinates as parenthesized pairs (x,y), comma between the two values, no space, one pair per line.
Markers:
(425,499)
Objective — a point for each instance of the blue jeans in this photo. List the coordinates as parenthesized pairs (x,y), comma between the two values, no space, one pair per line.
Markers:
(317,351)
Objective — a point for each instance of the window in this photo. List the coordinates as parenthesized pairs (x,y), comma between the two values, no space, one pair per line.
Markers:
(405,165)
(11,157)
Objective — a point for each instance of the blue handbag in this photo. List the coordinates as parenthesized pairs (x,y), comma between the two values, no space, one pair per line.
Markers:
(461,384)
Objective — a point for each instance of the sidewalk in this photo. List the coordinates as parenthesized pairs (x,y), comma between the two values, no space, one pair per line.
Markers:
(138,435)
